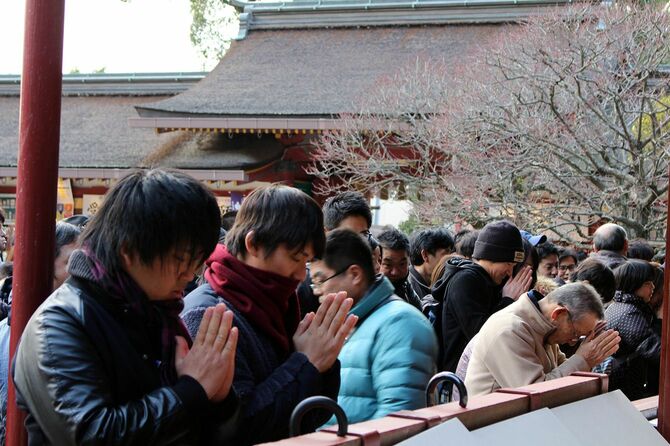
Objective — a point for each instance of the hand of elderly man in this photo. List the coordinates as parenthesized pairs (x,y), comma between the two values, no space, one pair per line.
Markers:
(321,336)
(211,358)
(596,347)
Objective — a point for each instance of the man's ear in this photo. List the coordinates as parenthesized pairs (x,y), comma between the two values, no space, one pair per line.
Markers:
(250,246)
(424,255)
(357,275)
(127,259)
(625,248)
(556,313)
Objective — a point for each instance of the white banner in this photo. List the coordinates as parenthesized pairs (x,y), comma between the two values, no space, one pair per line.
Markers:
(91,204)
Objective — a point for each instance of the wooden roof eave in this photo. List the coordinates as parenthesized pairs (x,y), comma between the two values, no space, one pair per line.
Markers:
(243,125)
(238,125)
(107,173)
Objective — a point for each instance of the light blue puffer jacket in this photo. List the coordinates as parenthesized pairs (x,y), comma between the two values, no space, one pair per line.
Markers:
(389,359)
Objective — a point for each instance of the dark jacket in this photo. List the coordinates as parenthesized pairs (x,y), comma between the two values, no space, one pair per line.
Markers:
(640,345)
(5,297)
(420,287)
(469,296)
(610,258)
(404,291)
(309,302)
(86,371)
(653,367)
(268,386)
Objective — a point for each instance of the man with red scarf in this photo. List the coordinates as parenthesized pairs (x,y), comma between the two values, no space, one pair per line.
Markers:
(280,360)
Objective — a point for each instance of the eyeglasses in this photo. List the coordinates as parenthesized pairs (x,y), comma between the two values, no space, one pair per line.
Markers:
(315,286)
(575,336)
(367,234)
(567,267)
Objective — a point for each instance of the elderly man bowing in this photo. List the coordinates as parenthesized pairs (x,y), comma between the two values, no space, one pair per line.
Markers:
(519,345)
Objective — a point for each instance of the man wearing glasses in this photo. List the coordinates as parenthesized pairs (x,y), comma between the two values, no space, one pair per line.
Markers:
(567,263)
(348,210)
(390,357)
(518,345)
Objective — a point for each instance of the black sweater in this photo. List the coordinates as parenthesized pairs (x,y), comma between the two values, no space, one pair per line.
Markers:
(268,386)
(469,298)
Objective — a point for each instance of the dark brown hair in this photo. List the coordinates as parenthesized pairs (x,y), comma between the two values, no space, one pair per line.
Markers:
(278,215)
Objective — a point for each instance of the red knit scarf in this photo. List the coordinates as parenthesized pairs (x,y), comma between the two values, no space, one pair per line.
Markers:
(267,300)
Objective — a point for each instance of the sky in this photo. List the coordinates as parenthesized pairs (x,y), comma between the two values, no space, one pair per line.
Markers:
(121,37)
(137,36)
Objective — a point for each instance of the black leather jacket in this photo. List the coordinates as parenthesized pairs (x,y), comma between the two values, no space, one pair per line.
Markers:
(87,374)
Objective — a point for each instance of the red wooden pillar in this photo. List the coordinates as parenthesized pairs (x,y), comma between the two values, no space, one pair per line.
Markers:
(39,134)
(664,379)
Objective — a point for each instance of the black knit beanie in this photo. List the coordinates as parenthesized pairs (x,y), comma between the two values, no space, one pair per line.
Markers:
(499,241)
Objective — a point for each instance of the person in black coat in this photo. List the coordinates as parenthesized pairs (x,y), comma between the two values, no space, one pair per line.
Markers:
(281,359)
(106,359)
(427,248)
(632,315)
(470,291)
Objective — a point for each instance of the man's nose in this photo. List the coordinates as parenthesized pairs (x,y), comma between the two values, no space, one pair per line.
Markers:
(300,274)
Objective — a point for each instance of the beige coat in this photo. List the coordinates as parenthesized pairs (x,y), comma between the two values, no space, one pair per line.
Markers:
(510,351)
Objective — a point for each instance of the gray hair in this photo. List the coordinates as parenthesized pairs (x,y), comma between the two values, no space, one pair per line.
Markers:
(66,234)
(579,298)
(611,237)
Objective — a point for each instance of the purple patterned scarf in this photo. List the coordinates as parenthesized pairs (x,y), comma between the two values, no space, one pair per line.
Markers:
(124,290)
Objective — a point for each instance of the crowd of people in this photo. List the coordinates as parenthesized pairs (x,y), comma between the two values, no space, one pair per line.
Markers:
(164,327)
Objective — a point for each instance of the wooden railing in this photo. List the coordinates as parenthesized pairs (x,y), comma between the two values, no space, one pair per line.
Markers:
(648,407)
(480,411)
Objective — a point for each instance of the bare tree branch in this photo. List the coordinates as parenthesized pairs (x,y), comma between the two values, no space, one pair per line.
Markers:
(559,127)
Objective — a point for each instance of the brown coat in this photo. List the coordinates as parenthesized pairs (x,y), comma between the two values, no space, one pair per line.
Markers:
(510,351)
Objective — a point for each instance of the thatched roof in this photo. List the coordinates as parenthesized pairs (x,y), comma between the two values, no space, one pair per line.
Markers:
(317,72)
(197,150)
(95,134)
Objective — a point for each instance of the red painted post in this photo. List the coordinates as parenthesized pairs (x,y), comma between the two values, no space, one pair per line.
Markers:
(39,134)
(664,379)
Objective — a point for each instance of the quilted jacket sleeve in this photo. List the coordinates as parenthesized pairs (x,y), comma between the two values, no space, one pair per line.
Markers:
(403,361)
(636,331)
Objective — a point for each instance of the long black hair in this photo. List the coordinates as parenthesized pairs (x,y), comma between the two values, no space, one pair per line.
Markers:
(632,274)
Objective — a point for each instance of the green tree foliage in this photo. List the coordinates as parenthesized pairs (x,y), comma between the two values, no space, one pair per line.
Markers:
(213,27)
